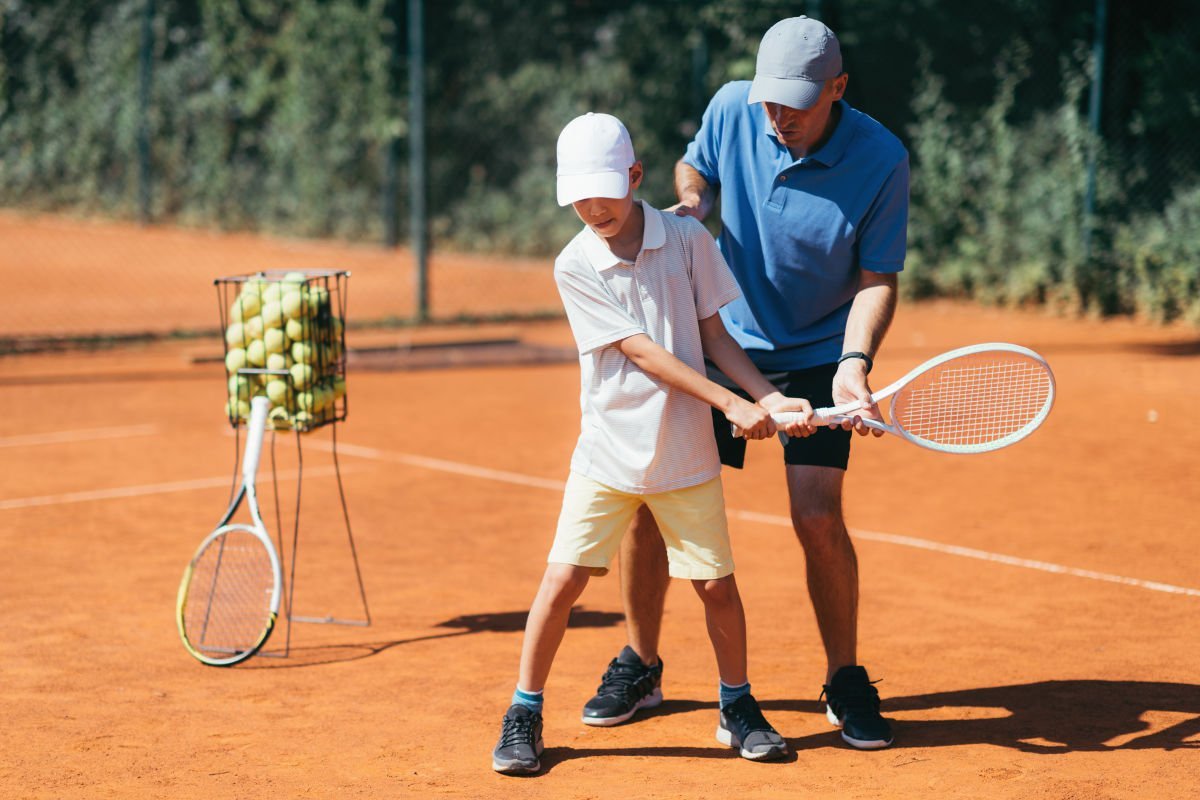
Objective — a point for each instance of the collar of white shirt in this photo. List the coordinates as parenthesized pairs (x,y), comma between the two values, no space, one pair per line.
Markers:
(654,236)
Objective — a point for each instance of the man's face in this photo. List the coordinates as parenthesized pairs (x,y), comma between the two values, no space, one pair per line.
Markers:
(801,129)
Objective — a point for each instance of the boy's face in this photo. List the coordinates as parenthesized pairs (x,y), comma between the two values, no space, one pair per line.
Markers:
(607,216)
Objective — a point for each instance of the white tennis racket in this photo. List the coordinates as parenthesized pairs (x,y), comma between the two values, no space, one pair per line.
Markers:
(970,400)
(229,597)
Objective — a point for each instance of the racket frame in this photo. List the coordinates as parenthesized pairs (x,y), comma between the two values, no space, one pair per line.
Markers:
(844,412)
(256,429)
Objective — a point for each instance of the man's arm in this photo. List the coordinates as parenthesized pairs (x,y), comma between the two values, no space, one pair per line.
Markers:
(658,362)
(870,316)
(696,197)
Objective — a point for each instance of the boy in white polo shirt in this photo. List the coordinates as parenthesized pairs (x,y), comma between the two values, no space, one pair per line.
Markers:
(641,290)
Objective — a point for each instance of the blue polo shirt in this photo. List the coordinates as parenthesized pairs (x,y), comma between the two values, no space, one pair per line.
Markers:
(796,233)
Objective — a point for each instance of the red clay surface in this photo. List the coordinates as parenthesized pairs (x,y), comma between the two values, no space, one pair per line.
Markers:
(1006,678)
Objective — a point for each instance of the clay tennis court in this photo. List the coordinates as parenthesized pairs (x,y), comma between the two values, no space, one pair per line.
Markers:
(1031,613)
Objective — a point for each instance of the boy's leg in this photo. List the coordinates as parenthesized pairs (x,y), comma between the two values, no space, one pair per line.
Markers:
(548,617)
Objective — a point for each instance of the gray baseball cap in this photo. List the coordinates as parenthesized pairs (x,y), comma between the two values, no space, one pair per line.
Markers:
(796,57)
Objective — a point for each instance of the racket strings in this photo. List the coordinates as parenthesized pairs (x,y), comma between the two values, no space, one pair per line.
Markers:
(229,596)
(974,400)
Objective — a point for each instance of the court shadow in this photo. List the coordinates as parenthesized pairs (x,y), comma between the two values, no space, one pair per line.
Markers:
(463,625)
(554,756)
(1048,717)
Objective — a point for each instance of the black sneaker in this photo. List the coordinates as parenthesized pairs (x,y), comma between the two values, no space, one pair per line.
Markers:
(627,685)
(744,727)
(520,742)
(852,703)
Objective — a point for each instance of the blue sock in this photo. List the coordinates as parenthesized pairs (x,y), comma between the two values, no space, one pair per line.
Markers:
(732,693)
(531,700)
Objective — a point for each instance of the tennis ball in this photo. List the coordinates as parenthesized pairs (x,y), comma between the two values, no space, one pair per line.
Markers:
(253,328)
(303,352)
(306,400)
(237,409)
(279,361)
(294,329)
(339,387)
(338,326)
(294,304)
(275,341)
(239,387)
(278,417)
(302,375)
(318,298)
(271,292)
(272,315)
(295,277)
(235,359)
(244,305)
(302,420)
(256,353)
(235,335)
(278,391)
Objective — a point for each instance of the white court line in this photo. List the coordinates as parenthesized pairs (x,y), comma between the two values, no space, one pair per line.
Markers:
(771,519)
(457,468)
(143,490)
(78,436)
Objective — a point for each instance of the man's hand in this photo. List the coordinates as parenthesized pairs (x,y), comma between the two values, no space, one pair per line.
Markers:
(849,386)
(688,207)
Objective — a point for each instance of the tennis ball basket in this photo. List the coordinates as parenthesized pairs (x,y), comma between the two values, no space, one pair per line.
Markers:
(285,339)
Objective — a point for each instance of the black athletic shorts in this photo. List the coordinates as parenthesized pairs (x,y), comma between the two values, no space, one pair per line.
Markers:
(825,448)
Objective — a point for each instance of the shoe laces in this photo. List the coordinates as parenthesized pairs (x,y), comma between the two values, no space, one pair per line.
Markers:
(516,730)
(621,677)
(856,696)
(747,715)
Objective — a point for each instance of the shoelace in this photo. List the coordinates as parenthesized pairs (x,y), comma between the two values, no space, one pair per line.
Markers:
(748,716)
(621,678)
(516,730)
(857,697)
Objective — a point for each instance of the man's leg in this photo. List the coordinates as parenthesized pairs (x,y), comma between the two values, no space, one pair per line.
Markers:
(815,497)
(644,582)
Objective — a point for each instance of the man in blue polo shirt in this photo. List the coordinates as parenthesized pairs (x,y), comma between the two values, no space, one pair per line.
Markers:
(814,214)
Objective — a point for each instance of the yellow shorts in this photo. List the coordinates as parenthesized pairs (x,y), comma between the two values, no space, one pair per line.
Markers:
(692,521)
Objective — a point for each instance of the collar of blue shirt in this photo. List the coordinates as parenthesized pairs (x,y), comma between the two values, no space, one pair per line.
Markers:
(832,151)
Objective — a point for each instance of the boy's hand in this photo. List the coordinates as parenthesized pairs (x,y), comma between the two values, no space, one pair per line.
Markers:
(850,385)
(750,421)
(777,402)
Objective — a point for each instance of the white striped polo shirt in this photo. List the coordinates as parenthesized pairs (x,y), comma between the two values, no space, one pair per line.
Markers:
(638,434)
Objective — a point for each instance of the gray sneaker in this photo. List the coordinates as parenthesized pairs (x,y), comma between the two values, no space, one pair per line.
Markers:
(520,742)
(627,685)
(744,727)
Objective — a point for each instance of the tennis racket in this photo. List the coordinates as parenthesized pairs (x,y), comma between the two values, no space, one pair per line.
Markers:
(971,400)
(229,596)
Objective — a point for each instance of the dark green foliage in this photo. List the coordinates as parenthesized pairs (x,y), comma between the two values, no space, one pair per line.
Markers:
(278,116)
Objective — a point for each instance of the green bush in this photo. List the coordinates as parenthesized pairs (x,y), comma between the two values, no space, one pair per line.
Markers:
(1164,252)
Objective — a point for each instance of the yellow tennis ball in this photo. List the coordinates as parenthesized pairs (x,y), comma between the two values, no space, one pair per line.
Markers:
(271,292)
(302,420)
(239,387)
(279,361)
(302,375)
(279,418)
(245,306)
(237,409)
(339,387)
(306,401)
(272,315)
(303,352)
(256,353)
(294,305)
(235,335)
(235,359)
(294,329)
(253,328)
(278,391)
(275,341)
(295,277)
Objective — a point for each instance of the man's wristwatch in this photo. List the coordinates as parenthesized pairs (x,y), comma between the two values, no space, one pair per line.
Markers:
(856,354)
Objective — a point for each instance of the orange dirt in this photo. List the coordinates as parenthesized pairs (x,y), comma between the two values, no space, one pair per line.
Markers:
(1005,680)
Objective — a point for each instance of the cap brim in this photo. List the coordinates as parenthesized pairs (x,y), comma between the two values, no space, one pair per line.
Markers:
(572,188)
(790,92)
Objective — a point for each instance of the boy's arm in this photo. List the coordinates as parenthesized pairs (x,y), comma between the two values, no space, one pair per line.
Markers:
(656,361)
(727,354)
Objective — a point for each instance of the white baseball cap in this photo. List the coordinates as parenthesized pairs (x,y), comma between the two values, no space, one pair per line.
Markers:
(594,157)
(795,58)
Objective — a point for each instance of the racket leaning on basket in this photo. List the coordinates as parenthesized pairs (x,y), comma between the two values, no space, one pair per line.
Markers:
(229,596)
(971,400)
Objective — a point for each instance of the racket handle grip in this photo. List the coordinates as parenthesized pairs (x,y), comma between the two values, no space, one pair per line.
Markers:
(259,406)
